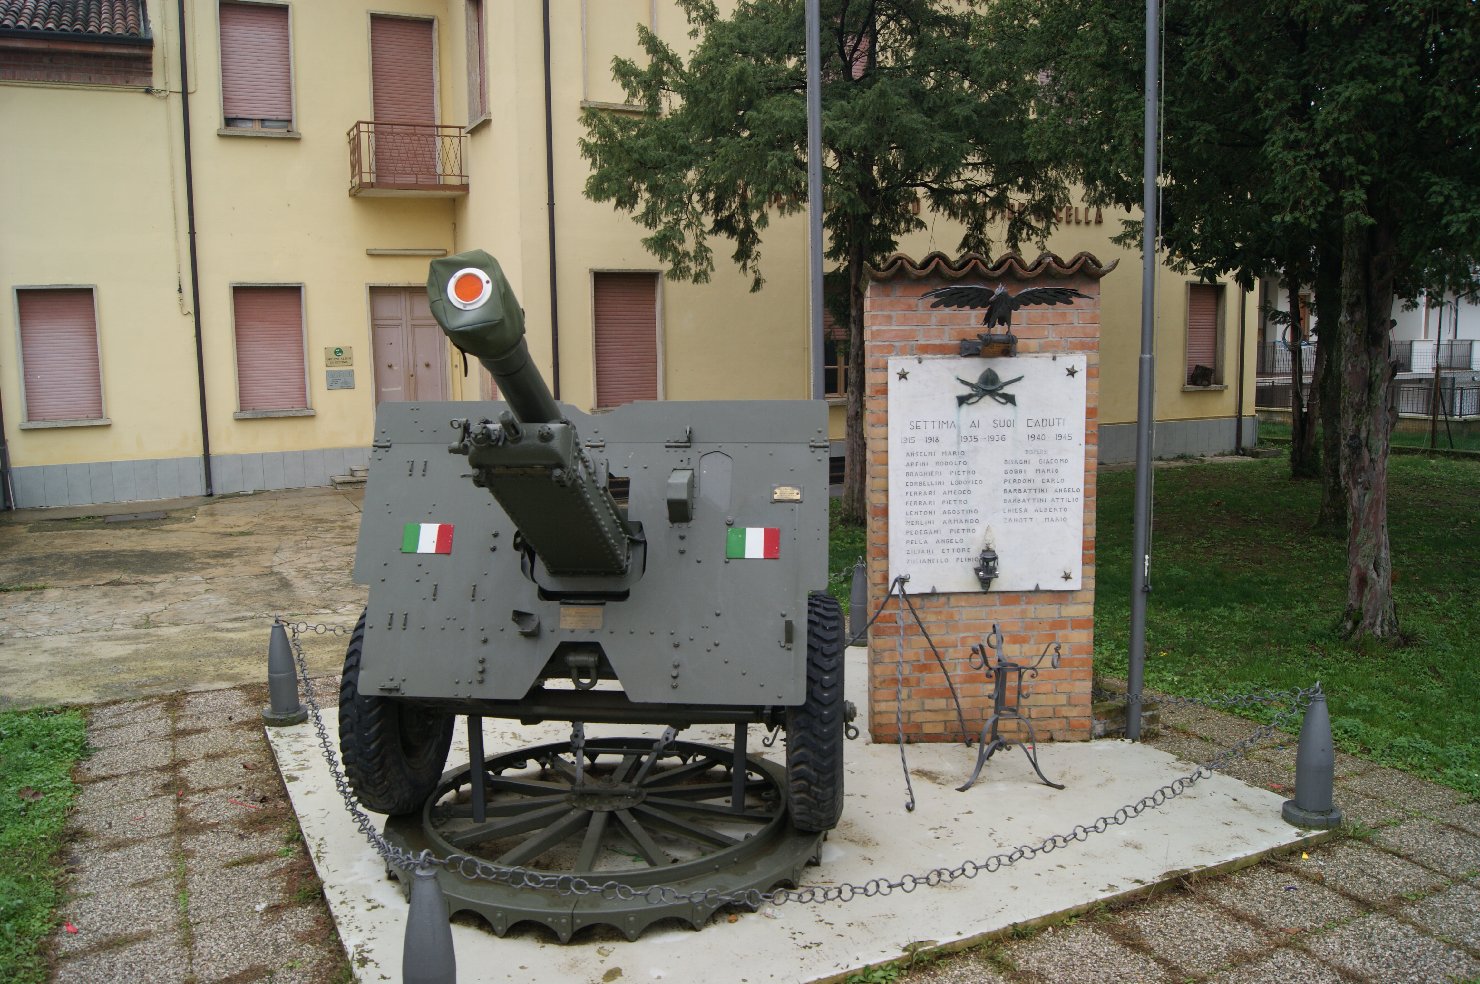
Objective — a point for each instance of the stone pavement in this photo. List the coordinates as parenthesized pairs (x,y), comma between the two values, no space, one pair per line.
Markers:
(185,864)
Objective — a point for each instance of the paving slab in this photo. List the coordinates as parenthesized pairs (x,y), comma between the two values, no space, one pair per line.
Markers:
(1356,869)
(1442,848)
(1218,822)
(155,959)
(1191,934)
(1280,967)
(1379,949)
(1081,955)
(1279,899)
(1453,914)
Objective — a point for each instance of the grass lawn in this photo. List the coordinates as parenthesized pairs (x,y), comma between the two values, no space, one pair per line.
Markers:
(1244,596)
(1456,438)
(37,752)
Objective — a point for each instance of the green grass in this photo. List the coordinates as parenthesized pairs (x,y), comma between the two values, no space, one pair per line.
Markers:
(845,547)
(37,752)
(1244,595)
(1459,436)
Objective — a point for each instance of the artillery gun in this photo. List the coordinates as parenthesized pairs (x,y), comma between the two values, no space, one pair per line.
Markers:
(656,564)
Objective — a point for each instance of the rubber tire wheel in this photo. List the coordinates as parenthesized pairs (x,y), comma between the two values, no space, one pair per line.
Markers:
(393,751)
(814,730)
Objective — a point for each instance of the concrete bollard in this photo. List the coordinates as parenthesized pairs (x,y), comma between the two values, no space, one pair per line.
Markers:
(857,602)
(427,956)
(282,682)
(1315,771)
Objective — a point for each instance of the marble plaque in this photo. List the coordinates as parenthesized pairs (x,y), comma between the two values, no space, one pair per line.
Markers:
(987,453)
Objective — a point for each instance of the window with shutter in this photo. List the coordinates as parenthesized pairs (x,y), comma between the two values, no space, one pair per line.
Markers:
(477,62)
(1204,307)
(256,74)
(626,324)
(59,354)
(270,372)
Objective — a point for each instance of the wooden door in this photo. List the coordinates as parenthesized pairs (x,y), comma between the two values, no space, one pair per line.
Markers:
(410,350)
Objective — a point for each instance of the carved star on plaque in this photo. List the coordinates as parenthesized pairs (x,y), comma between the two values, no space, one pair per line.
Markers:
(904,374)
(1068,576)
(1072,371)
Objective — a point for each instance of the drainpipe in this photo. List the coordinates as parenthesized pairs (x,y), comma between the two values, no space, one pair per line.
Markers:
(200,356)
(550,214)
(1238,407)
(7,492)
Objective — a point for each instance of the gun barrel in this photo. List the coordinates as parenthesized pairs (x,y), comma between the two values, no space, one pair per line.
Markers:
(478,312)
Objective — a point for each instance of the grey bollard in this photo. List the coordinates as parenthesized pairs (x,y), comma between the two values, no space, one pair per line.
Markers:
(282,682)
(858,602)
(1315,771)
(427,956)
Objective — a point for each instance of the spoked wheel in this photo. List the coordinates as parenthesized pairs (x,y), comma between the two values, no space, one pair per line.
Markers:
(633,813)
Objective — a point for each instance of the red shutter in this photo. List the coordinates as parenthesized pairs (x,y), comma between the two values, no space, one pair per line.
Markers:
(269,348)
(477,58)
(402,76)
(626,338)
(59,354)
(255,76)
(1202,327)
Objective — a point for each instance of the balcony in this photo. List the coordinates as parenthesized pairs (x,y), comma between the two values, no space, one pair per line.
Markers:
(409,160)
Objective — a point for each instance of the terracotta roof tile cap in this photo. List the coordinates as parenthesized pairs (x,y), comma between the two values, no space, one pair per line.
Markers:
(1006,266)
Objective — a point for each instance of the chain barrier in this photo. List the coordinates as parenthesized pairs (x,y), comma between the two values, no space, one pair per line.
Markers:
(473,868)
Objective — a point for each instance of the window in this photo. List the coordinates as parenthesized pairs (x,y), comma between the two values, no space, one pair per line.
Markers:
(270,374)
(477,63)
(834,356)
(59,355)
(256,74)
(626,329)
(1204,324)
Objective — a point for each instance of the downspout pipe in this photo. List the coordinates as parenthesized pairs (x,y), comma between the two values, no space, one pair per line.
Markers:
(200,354)
(1238,408)
(550,215)
(1146,392)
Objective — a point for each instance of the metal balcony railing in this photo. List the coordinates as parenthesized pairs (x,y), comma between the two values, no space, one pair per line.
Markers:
(406,159)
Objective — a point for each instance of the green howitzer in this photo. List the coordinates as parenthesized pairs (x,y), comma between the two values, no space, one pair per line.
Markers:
(531,459)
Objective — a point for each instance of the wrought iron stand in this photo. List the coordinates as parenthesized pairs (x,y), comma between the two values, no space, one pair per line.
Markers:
(1007,676)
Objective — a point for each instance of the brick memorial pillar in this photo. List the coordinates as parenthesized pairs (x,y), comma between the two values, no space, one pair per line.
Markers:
(974,453)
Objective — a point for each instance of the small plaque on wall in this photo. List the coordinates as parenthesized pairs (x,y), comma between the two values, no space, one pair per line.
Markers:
(340,379)
(339,355)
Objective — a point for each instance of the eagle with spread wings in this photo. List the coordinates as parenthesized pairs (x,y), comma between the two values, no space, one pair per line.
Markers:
(999,303)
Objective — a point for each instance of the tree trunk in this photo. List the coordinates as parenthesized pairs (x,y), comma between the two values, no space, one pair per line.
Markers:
(1366,313)
(1304,461)
(1332,515)
(855,466)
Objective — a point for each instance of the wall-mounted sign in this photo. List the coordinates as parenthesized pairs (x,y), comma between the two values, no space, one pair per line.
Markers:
(986,457)
(339,379)
(339,355)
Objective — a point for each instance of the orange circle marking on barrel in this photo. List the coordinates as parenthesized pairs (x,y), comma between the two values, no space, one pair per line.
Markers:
(467,288)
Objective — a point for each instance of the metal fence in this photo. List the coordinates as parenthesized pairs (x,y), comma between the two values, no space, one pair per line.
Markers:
(406,157)
(1459,396)
(1419,356)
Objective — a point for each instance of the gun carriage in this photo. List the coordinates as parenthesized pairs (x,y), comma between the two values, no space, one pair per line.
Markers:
(657,564)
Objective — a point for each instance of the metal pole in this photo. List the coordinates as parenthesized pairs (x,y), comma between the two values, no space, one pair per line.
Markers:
(814,196)
(1146,398)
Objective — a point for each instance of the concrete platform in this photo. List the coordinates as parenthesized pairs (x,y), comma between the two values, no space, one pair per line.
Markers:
(1217,823)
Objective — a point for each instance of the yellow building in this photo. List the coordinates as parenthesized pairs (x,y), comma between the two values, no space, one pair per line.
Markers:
(210,293)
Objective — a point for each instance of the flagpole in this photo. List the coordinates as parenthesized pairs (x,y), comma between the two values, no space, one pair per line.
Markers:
(1146,393)
(814,197)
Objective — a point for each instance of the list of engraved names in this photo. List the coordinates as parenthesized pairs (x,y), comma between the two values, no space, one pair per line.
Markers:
(986,455)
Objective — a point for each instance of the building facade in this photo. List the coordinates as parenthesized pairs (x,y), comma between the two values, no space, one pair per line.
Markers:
(216,236)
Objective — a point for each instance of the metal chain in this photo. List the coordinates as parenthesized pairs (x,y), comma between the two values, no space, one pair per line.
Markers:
(476,868)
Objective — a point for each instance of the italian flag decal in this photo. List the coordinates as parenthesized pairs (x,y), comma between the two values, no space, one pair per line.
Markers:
(427,538)
(753,542)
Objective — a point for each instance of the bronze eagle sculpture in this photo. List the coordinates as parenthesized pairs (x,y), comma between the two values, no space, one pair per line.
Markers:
(999,303)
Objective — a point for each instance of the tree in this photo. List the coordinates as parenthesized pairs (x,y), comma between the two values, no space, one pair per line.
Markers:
(921,98)
(1340,137)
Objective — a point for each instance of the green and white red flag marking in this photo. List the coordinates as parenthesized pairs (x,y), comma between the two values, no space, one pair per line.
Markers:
(427,538)
(753,542)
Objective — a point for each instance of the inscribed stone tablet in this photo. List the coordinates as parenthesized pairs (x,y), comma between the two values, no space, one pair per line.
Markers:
(987,454)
